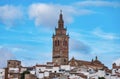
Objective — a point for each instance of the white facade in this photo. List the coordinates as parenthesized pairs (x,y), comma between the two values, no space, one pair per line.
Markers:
(43,71)
(101,73)
(40,75)
(108,77)
(46,74)
(32,72)
(15,70)
(74,77)
(65,67)
(113,77)
(13,73)
(2,73)
(47,68)
(114,71)
(95,75)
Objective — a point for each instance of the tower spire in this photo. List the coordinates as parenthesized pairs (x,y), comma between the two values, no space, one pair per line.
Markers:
(60,11)
(60,21)
(60,43)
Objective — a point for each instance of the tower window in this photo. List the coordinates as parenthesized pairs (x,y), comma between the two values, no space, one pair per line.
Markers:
(64,60)
(57,43)
(65,43)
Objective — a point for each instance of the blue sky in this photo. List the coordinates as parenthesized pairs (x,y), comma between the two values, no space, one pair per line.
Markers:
(26,29)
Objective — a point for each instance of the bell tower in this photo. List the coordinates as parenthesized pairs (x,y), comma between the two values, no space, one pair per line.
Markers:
(60,43)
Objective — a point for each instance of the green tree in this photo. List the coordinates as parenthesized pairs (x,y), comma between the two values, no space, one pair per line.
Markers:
(101,78)
(23,74)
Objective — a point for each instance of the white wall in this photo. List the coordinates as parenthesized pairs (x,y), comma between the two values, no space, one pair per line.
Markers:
(113,71)
(101,73)
(65,67)
(14,70)
(74,77)
(94,75)
(56,69)
(45,71)
(40,75)
(32,72)
(46,74)
(42,69)
(2,73)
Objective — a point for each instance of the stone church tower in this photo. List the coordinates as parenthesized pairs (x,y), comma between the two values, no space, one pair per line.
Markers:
(60,43)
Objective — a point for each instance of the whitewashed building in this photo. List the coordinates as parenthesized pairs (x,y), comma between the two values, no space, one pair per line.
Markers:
(115,71)
(2,73)
(44,70)
(65,67)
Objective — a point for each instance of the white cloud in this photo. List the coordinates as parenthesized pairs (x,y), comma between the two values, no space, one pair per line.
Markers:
(41,13)
(25,54)
(16,49)
(9,14)
(47,14)
(104,35)
(103,44)
(40,58)
(99,40)
(5,55)
(99,3)
(78,46)
(105,47)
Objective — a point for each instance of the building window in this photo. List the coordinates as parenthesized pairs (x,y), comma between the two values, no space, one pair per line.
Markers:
(55,42)
(65,43)
(8,62)
(58,42)
(64,60)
